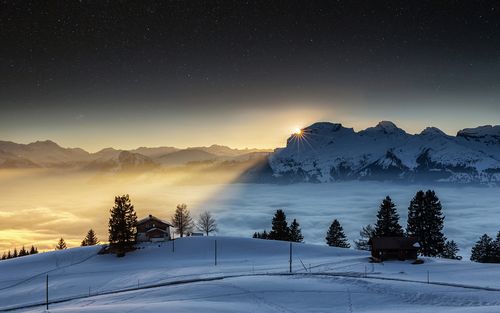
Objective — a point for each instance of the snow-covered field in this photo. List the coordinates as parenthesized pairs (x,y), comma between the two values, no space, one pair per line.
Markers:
(251,275)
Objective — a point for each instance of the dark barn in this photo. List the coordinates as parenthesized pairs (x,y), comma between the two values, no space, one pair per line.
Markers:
(394,248)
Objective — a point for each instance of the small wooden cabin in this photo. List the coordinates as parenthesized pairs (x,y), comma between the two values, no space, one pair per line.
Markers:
(394,248)
(152,228)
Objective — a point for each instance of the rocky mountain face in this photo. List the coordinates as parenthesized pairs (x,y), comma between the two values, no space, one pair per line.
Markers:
(326,152)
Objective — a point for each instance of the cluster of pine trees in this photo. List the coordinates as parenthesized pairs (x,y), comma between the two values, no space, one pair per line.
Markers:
(486,250)
(425,222)
(22,252)
(280,229)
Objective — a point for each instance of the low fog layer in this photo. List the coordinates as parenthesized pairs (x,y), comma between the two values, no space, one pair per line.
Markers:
(38,207)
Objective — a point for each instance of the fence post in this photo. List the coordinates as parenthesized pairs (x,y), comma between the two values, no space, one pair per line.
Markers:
(290,256)
(428,280)
(215,252)
(365,271)
(173,245)
(47,292)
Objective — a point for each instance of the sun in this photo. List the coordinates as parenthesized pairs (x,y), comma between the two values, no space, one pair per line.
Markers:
(297,131)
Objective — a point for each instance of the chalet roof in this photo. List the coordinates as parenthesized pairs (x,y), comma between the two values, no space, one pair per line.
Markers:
(394,243)
(152,218)
(163,231)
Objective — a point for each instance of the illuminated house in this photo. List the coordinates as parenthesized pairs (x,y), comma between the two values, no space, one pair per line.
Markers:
(152,228)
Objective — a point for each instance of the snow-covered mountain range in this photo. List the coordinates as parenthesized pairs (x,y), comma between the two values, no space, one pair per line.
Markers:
(326,152)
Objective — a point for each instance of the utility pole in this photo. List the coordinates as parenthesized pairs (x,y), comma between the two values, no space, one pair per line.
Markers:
(215,252)
(290,257)
(47,292)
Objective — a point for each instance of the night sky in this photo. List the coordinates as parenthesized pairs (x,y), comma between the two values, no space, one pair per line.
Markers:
(243,73)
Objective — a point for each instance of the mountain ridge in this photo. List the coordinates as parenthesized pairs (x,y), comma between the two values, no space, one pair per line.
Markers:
(326,152)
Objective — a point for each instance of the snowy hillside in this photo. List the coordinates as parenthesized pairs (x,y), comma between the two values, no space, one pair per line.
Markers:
(327,152)
(251,275)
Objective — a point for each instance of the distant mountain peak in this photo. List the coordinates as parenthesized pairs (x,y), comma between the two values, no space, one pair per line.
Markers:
(432,131)
(385,127)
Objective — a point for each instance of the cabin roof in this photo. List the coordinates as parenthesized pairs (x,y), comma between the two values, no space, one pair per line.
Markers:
(152,218)
(394,243)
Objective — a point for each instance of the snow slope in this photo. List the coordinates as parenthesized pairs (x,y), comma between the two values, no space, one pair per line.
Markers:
(330,152)
(251,275)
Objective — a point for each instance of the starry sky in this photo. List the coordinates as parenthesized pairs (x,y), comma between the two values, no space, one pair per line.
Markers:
(101,73)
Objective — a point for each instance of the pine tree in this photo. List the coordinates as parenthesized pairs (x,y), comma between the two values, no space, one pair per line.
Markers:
(415,227)
(296,232)
(4,256)
(388,220)
(121,224)
(496,249)
(33,250)
(429,226)
(450,251)
(264,235)
(182,220)
(206,223)
(9,256)
(23,252)
(483,250)
(15,255)
(90,239)
(61,244)
(280,229)
(335,236)
(366,233)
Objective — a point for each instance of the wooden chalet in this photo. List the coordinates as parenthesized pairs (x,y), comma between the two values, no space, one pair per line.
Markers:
(153,229)
(394,248)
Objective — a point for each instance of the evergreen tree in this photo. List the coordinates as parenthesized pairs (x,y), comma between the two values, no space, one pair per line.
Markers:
(90,239)
(121,225)
(61,244)
(335,236)
(23,252)
(415,226)
(280,229)
(429,226)
(33,250)
(264,235)
(182,220)
(260,235)
(15,255)
(450,251)
(9,256)
(366,233)
(388,220)
(483,251)
(496,249)
(296,232)
(206,223)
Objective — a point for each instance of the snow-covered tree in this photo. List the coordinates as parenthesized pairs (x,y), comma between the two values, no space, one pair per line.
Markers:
(206,223)
(335,236)
(388,220)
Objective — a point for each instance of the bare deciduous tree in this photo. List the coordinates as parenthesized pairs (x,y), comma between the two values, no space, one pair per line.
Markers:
(182,221)
(206,223)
